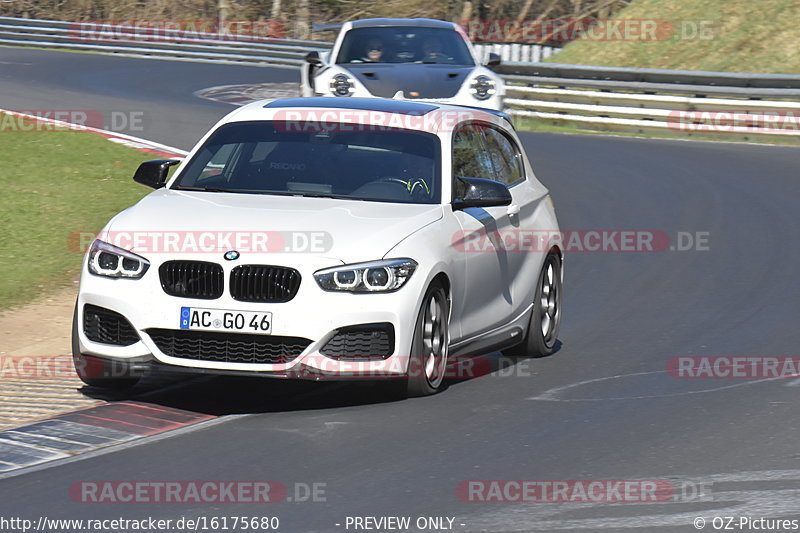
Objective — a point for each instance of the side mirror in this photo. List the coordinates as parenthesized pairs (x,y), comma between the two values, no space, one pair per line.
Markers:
(480,192)
(493,60)
(313,58)
(154,173)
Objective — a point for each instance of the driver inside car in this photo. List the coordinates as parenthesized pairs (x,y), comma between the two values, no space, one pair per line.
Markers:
(374,51)
(432,51)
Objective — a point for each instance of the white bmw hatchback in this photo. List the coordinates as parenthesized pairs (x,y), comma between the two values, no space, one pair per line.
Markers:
(327,239)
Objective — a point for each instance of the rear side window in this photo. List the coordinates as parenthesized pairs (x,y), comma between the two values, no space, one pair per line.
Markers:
(505,156)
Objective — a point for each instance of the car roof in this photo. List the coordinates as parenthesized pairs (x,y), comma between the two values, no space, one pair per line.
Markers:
(403,107)
(318,108)
(419,23)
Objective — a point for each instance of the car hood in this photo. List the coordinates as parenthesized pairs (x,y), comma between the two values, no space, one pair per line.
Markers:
(346,230)
(428,81)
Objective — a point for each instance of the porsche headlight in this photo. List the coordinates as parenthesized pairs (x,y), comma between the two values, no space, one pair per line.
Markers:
(341,85)
(374,276)
(482,87)
(113,262)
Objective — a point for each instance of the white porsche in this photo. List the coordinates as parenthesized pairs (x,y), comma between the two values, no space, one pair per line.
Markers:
(412,59)
(318,238)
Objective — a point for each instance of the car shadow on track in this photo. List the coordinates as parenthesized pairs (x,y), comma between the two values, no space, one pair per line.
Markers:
(470,367)
(227,395)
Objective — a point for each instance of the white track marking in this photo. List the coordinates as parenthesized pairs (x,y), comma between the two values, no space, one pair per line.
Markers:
(552,395)
(122,138)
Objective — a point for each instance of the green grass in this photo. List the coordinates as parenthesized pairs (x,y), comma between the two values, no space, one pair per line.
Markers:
(56,183)
(742,36)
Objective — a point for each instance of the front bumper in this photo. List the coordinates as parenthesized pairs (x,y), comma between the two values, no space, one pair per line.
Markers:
(495,102)
(312,314)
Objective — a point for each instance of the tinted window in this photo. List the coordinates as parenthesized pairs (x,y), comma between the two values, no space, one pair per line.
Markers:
(471,159)
(505,156)
(404,44)
(390,165)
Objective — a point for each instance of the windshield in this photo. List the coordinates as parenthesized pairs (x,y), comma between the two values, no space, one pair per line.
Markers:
(273,157)
(404,44)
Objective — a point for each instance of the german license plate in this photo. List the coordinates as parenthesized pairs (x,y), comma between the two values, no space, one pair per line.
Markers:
(198,318)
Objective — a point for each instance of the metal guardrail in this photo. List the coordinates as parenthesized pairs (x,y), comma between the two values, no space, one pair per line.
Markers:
(651,75)
(607,98)
(168,44)
(738,105)
(518,52)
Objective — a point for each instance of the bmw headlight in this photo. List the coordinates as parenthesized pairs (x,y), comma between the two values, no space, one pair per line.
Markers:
(482,87)
(113,262)
(341,85)
(374,276)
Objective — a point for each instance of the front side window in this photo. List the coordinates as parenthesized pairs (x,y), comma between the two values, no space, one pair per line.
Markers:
(471,159)
(483,151)
(339,161)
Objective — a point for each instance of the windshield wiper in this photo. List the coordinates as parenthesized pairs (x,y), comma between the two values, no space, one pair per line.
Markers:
(322,195)
(202,189)
(273,193)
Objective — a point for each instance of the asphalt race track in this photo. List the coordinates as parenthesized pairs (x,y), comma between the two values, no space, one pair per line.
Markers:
(601,408)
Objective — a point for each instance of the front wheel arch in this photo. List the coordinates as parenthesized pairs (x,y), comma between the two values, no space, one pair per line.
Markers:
(429,349)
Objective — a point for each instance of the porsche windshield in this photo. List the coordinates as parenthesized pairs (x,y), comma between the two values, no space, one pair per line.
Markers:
(336,161)
(404,44)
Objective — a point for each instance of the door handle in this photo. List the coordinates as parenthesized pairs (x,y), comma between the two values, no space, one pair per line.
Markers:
(513,209)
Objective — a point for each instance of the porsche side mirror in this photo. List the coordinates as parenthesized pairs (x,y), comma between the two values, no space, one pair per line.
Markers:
(313,58)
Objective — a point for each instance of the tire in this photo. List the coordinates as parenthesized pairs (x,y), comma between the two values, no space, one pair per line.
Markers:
(98,372)
(543,326)
(429,348)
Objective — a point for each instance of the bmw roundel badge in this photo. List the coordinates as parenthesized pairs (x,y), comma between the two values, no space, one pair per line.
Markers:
(232,255)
